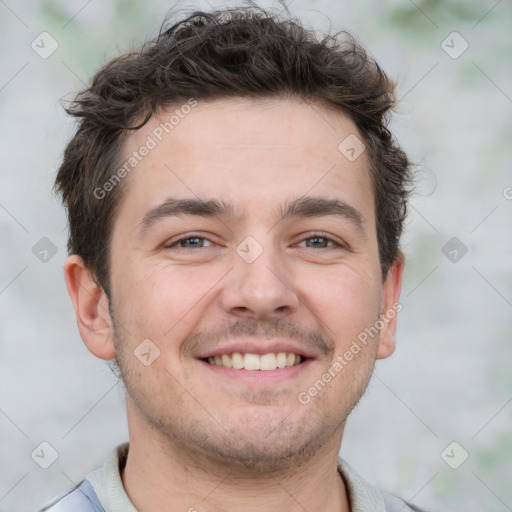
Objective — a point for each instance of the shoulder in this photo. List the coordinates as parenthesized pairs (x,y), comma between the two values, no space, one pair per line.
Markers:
(81,498)
(395,504)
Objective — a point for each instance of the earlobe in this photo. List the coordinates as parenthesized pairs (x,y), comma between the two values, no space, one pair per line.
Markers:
(91,308)
(390,307)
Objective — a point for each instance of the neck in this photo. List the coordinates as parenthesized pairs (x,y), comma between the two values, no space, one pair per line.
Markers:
(158,474)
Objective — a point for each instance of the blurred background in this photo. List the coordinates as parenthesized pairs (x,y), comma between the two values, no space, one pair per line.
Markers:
(435,425)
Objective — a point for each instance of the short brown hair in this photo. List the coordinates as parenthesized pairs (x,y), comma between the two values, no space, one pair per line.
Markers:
(238,52)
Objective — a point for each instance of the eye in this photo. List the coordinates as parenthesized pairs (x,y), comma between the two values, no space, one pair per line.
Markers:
(320,241)
(189,242)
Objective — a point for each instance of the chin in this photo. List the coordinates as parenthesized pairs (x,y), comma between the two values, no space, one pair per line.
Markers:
(257,446)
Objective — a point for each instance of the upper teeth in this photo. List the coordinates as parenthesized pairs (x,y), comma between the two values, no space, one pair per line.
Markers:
(248,361)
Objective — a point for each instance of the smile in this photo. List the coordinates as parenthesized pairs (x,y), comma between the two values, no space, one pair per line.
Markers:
(249,361)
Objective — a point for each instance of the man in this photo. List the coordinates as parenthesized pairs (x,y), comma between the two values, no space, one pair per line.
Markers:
(235,204)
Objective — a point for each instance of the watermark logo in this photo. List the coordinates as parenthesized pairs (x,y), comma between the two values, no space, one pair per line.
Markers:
(146,352)
(44,455)
(351,147)
(44,45)
(454,249)
(44,250)
(454,455)
(454,45)
(249,249)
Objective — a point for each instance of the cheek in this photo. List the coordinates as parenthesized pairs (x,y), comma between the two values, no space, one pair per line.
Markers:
(348,306)
(160,300)
(347,301)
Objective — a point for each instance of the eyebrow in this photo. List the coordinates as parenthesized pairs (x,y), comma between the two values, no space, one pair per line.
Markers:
(305,206)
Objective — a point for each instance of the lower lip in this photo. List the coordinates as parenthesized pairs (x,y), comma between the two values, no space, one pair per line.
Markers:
(259,376)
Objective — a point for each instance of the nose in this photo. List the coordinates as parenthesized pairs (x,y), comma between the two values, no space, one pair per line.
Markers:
(259,289)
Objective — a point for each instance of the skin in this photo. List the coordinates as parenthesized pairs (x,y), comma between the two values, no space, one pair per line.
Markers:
(200,438)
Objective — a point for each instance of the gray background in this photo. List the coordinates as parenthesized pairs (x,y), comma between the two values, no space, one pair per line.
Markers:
(450,378)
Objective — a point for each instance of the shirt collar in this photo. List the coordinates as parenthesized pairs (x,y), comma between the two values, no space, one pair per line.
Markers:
(361,495)
(107,483)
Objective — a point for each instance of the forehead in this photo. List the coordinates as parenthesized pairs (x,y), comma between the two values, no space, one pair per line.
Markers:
(246,151)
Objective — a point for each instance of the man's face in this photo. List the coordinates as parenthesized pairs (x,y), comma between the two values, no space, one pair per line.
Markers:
(248,281)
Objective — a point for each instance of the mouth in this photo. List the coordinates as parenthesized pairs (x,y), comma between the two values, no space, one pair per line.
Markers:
(256,362)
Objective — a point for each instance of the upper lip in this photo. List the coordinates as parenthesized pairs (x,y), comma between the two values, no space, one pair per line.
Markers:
(259,347)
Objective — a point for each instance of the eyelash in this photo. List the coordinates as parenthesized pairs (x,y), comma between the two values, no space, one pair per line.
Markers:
(311,236)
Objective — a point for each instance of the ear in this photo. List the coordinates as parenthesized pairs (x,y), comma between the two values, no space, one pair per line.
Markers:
(390,306)
(91,308)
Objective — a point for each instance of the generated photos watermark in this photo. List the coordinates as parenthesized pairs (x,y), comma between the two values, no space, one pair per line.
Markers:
(151,142)
(343,360)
